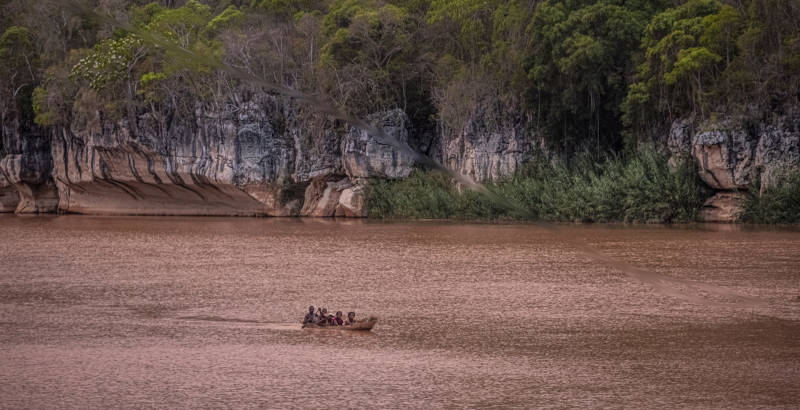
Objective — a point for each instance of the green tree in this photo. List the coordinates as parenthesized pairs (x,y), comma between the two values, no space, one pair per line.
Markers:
(18,68)
(160,60)
(111,65)
(765,72)
(581,58)
(53,99)
(230,17)
(472,21)
(685,50)
(369,60)
(17,53)
(110,62)
(287,9)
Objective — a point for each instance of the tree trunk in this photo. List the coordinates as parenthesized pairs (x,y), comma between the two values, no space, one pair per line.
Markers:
(130,108)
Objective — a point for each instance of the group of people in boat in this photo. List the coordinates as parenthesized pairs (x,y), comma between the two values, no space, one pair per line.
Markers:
(320,317)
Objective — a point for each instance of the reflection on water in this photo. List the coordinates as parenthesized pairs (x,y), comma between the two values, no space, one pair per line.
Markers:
(203,312)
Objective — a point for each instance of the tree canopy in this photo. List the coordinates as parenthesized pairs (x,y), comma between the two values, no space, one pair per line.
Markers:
(599,75)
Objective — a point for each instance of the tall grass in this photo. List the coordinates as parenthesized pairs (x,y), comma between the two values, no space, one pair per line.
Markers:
(428,195)
(642,188)
(780,203)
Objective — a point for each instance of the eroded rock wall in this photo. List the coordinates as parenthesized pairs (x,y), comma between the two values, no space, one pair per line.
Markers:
(26,184)
(224,163)
(240,161)
(265,156)
(257,154)
(262,157)
(491,144)
(734,153)
(364,156)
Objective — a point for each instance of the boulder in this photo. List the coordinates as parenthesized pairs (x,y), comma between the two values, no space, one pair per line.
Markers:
(322,197)
(37,198)
(352,203)
(725,206)
(9,197)
(725,157)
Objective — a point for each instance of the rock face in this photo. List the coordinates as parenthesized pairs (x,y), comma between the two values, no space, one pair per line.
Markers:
(726,158)
(778,147)
(724,206)
(262,157)
(213,164)
(733,154)
(351,203)
(26,185)
(365,156)
(491,145)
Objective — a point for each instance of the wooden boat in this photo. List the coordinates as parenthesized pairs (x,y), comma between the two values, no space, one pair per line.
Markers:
(363,324)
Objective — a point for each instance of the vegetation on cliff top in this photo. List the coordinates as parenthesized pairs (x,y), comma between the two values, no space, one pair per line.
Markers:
(585,73)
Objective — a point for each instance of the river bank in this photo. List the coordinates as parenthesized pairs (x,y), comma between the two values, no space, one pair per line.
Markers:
(698,178)
(644,187)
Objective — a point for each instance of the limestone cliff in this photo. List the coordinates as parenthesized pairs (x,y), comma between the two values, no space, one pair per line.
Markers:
(265,155)
(492,142)
(262,157)
(26,184)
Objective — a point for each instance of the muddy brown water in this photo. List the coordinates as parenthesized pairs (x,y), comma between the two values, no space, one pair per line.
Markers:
(133,312)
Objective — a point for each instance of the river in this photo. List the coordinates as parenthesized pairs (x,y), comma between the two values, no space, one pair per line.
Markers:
(138,312)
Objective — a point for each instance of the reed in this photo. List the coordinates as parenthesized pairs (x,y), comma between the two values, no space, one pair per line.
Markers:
(642,188)
(777,204)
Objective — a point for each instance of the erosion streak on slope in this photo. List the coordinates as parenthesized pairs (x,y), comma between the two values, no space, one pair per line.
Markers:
(680,288)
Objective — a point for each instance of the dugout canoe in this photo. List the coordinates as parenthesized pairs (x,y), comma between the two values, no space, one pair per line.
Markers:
(363,324)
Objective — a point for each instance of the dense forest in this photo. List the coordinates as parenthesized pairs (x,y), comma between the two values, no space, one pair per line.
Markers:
(587,76)
(586,72)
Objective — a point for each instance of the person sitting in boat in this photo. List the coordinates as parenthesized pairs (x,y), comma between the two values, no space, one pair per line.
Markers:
(322,320)
(311,317)
(338,321)
(351,318)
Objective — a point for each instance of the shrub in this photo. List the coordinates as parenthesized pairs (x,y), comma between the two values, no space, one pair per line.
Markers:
(780,203)
(642,188)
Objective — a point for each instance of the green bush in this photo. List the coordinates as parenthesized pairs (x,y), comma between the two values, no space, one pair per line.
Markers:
(428,195)
(642,188)
(779,203)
